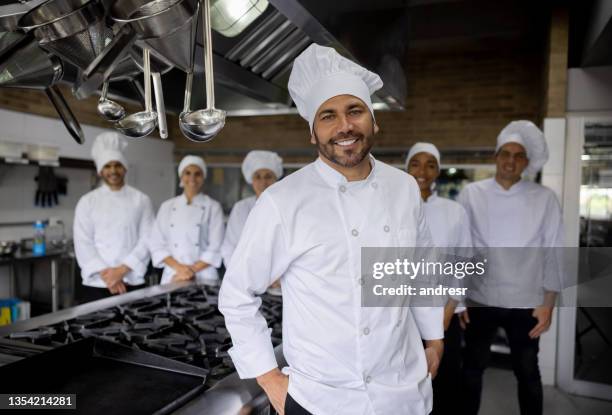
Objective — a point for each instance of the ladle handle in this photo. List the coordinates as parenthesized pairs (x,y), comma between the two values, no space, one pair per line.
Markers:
(208,59)
(160,106)
(187,98)
(104,91)
(146,58)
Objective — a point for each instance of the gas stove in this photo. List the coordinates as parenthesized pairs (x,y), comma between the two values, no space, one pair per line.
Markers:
(184,325)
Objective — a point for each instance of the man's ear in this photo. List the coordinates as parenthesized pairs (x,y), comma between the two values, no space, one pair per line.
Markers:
(313,140)
(376,129)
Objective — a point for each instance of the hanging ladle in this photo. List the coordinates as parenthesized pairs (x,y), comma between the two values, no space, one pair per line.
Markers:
(141,123)
(203,125)
(109,109)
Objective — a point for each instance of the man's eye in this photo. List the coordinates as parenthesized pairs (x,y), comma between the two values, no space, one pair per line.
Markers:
(327,117)
(355,112)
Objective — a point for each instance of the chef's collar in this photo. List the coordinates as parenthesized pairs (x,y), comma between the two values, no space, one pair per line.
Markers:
(107,188)
(515,188)
(432,197)
(334,178)
(197,199)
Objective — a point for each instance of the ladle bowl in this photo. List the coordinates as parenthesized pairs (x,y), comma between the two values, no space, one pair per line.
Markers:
(138,125)
(109,109)
(202,125)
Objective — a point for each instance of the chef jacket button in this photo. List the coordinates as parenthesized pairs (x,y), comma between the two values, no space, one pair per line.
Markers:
(366,331)
(197,244)
(360,281)
(343,188)
(386,228)
(375,185)
(172,225)
(399,323)
(368,379)
(176,245)
(355,232)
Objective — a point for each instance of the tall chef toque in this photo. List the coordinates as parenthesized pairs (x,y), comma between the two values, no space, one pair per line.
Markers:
(321,73)
(531,138)
(107,147)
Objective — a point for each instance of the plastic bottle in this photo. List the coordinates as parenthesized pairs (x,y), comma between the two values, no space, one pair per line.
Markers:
(39,247)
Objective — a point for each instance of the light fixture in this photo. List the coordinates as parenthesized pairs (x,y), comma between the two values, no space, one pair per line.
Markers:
(231,17)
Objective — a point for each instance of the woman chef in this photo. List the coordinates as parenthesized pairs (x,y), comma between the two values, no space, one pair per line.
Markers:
(261,169)
(188,232)
(450,227)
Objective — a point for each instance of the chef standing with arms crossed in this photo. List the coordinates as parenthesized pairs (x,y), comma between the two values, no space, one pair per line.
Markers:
(111,226)
(188,231)
(343,358)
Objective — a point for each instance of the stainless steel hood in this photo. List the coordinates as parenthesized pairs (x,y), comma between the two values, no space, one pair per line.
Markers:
(252,69)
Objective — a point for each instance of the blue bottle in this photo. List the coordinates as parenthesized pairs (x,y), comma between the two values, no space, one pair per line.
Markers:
(39,247)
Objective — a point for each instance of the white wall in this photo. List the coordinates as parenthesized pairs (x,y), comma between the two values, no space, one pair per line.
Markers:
(151,169)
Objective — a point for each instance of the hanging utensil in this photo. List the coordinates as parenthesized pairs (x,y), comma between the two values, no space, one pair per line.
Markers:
(160,106)
(141,123)
(140,19)
(11,38)
(204,125)
(31,67)
(109,109)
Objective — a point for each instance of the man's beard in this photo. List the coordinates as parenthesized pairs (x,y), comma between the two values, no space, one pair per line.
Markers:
(345,158)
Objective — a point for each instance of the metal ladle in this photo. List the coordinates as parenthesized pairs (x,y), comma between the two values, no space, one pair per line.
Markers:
(141,123)
(204,125)
(109,109)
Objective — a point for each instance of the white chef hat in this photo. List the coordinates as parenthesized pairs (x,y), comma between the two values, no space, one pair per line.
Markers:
(192,160)
(422,147)
(320,73)
(107,147)
(529,136)
(261,159)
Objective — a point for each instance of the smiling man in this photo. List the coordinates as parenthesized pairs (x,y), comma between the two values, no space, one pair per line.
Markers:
(515,216)
(342,358)
(111,224)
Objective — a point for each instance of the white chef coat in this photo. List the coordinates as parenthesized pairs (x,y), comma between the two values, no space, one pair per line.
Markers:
(111,228)
(450,227)
(526,215)
(343,358)
(235,225)
(189,233)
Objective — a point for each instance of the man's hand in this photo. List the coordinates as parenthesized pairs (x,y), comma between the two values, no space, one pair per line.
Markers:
(275,384)
(113,278)
(449,312)
(199,266)
(183,272)
(433,353)
(464,319)
(544,315)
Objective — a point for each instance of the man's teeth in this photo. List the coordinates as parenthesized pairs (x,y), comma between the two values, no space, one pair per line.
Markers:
(346,142)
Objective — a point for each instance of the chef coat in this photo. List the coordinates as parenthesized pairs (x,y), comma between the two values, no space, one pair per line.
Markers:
(527,215)
(189,233)
(235,224)
(111,228)
(450,227)
(343,358)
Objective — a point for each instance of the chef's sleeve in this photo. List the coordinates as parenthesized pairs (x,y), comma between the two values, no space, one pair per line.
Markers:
(261,255)
(158,243)
(554,240)
(138,258)
(216,229)
(87,255)
(232,234)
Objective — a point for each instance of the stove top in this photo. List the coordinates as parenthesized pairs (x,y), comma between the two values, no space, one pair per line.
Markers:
(184,325)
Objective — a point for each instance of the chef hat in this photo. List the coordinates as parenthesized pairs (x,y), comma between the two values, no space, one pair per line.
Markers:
(423,148)
(261,159)
(321,73)
(108,147)
(191,160)
(529,136)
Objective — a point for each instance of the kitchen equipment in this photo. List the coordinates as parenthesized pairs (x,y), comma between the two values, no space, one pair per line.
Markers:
(10,38)
(108,378)
(204,125)
(74,30)
(141,123)
(159,105)
(31,67)
(140,19)
(109,109)
(8,248)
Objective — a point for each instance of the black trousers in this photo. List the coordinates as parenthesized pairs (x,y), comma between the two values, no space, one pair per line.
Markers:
(294,408)
(479,335)
(446,385)
(87,294)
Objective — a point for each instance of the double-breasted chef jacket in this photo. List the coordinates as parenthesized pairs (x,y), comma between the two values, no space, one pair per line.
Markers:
(343,358)
(189,233)
(111,228)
